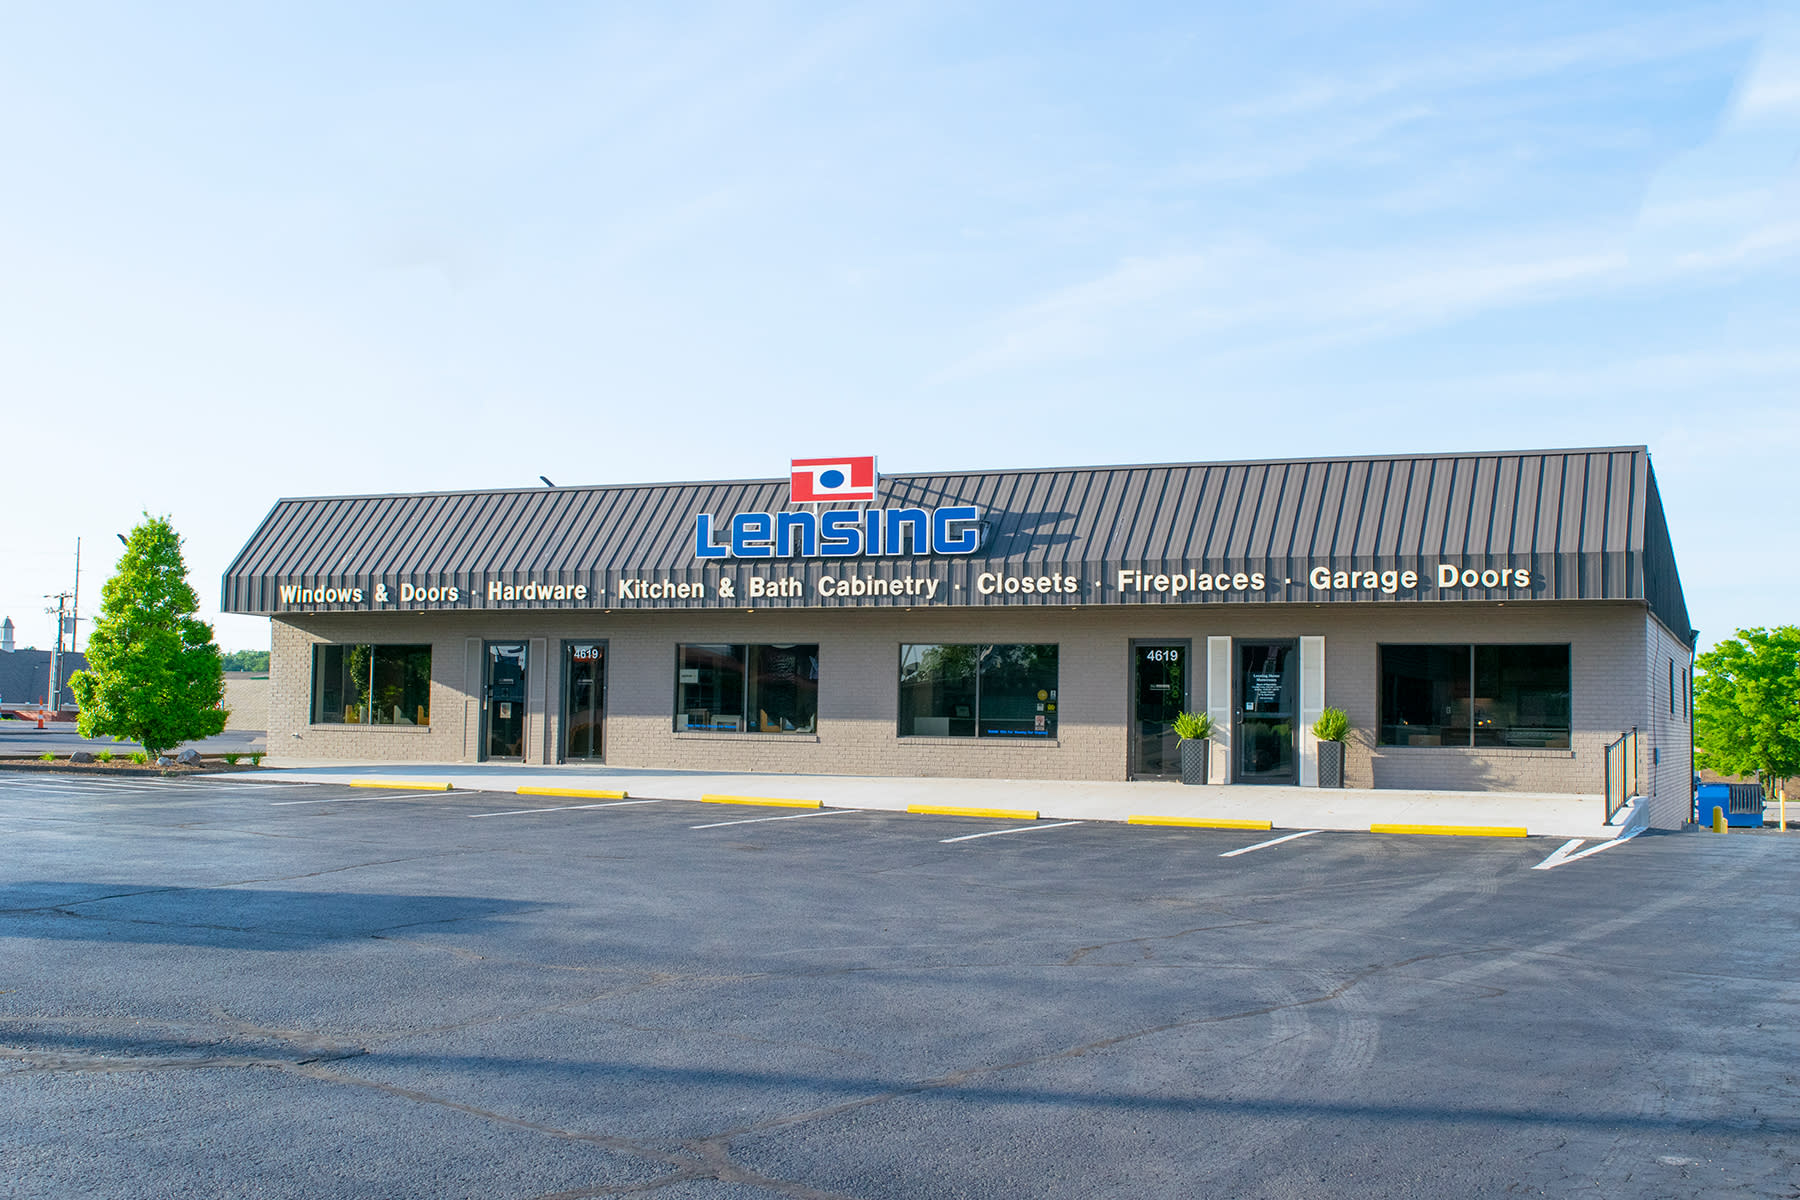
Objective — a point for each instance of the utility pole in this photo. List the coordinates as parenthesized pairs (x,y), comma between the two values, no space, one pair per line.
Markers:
(54,698)
(75,602)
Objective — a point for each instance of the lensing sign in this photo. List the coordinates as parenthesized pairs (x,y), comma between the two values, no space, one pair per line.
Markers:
(827,480)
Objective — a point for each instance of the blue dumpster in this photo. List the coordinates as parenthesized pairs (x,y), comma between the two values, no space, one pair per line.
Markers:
(1742,802)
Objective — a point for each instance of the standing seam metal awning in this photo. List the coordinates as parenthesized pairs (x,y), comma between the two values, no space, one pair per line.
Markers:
(1587,522)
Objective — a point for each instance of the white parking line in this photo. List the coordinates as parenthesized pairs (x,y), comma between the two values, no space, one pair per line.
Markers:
(352,799)
(969,837)
(85,785)
(102,790)
(1271,842)
(1562,854)
(516,812)
(829,812)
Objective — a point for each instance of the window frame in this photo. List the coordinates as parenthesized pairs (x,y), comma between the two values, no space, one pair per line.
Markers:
(747,727)
(1053,718)
(1472,650)
(367,707)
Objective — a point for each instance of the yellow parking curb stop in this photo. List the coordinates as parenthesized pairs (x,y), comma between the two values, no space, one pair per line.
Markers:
(581,793)
(1201,822)
(1001,814)
(1454,830)
(765,801)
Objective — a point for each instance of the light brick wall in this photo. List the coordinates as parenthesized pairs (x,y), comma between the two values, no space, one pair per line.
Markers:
(858,693)
(1665,762)
(247,701)
(1606,654)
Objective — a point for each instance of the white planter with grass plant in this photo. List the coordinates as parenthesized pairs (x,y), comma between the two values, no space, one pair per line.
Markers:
(1194,730)
(1331,727)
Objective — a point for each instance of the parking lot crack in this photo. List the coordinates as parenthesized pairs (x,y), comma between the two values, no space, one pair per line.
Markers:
(1075,958)
(706,1159)
(957,1078)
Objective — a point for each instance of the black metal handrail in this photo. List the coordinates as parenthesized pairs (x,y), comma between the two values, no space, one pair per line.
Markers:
(1621,771)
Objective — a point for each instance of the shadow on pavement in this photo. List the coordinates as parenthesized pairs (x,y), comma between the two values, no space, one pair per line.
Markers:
(241,918)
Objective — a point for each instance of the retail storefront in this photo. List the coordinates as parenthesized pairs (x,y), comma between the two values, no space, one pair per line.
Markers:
(1488,621)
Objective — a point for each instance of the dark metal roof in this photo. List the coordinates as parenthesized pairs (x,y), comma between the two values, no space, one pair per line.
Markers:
(1586,522)
(25,675)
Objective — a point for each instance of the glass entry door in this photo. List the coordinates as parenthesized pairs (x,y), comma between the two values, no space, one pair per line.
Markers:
(1268,685)
(503,701)
(1159,692)
(584,700)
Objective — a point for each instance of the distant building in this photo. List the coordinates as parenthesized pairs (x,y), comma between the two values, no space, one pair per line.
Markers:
(25,674)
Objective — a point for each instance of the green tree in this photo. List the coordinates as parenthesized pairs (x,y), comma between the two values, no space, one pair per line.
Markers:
(154,674)
(1747,704)
(247,660)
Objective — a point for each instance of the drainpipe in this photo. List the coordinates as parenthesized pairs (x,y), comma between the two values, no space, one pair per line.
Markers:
(1693,793)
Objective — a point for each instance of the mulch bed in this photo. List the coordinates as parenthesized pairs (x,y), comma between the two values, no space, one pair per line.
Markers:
(209,764)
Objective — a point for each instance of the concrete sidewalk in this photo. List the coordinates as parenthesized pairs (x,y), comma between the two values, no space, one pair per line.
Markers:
(1565,816)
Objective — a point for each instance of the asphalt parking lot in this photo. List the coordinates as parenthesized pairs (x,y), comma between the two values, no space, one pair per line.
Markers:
(215,988)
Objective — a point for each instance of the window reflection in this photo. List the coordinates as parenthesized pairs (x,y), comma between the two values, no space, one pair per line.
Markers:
(1463,695)
(747,688)
(970,690)
(371,685)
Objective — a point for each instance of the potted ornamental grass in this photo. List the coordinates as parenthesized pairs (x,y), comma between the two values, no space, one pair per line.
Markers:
(1193,729)
(1330,729)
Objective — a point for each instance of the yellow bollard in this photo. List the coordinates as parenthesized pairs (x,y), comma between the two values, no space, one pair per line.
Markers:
(1782,794)
(1718,819)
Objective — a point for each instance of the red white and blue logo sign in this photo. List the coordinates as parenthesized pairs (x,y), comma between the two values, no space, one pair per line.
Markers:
(829,480)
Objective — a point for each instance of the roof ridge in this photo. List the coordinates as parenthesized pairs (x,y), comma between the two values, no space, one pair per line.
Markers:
(778,480)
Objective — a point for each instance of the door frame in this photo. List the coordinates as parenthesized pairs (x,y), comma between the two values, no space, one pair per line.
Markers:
(1131,694)
(562,725)
(1237,709)
(481,744)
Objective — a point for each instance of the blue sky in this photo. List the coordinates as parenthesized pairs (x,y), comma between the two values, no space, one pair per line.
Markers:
(249,252)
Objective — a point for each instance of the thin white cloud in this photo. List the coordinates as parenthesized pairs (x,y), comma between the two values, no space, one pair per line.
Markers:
(1462,68)
(1257,159)
(1771,89)
(1250,299)
(1247,297)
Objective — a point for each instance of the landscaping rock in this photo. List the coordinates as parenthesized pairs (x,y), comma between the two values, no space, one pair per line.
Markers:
(81,756)
(189,757)
(163,760)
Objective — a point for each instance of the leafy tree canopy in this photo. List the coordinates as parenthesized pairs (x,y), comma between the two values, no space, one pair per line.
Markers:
(154,673)
(1747,704)
(247,660)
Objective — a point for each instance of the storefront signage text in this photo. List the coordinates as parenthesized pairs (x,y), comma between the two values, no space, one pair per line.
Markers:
(840,533)
(1449,575)
(733,587)
(1131,580)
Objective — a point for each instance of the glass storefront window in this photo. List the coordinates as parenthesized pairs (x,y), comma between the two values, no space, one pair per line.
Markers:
(783,688)
(1016,690)
(1425,695)
(937,691)
(1465,695)
(371,685)
(1522,696)
(978,690)
(747,689)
